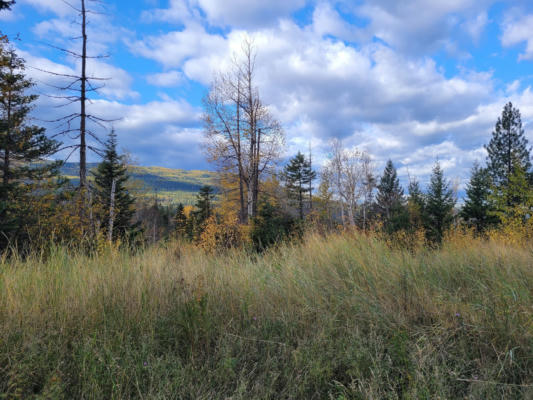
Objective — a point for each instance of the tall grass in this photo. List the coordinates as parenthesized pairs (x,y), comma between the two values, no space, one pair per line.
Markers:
(341,317)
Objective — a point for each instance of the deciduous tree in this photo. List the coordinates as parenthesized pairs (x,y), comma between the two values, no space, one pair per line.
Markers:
(242,135)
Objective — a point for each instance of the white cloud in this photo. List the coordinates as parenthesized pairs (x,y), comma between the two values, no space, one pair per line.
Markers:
(166,79)
(173,48)
(327,21)
(391,99)
(418,26)
(248,13)
(475,26)
(116,82)
(179,11)
(57,7)
(372,96)
(235,13)
(519,30)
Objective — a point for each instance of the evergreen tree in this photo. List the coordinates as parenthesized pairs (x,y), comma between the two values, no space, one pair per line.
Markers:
(476,209)
(22,147)
(514,202)
(440,201)
(298,176)
(110,180)
(204,203)
(389,200)
(272,225)
(416,204)
(181,221)
(325,199)
(508,143)
(6,4)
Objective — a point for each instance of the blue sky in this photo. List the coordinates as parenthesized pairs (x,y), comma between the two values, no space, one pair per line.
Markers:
(414,81)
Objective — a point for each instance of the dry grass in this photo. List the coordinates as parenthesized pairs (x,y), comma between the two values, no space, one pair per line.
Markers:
(338,317)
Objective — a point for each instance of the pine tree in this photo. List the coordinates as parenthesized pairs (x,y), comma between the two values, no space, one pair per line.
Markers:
(6,4)
(389,199)
(416,204)
(110,180)
(440,201)
(390,192)
(513,203)
(325,198)
(508,143)
(23,148)
(298,176)
(204,203)
(181,221)
(476,209)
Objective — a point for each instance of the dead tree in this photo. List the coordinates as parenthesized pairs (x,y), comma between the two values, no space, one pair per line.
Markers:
(350,170)
(75,125)
(242,135)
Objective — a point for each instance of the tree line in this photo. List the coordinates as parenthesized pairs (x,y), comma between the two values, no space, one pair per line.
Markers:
(256,200)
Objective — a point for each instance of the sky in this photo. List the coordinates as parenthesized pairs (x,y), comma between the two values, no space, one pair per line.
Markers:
(415,81)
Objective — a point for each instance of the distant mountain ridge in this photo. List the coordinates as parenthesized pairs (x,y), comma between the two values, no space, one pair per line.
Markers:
(172,185)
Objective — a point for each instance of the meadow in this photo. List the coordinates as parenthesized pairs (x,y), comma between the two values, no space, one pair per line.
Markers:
(346,316)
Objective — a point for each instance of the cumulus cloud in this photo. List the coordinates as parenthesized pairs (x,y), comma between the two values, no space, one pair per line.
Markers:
(323,77)
(419,26)
(372,96)
(173,48)
(327,21)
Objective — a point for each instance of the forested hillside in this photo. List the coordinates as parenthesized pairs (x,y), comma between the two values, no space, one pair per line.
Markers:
(170,185)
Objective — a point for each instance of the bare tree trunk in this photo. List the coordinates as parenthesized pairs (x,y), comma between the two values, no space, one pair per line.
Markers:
(111,211)
(243,216)
(251,191)
(83,98)
(351,207)
(256,171)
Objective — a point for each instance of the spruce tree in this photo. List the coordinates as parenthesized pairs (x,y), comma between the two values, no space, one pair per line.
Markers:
(23,148)
(298,176)
(513,203)
(476,210)
(6,4)
(440,201)
(181,221)
(110,180)
(416,204)
(508,143)
(204,204)
(389,200)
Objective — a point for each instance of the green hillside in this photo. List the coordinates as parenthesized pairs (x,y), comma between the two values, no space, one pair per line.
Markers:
(171,185)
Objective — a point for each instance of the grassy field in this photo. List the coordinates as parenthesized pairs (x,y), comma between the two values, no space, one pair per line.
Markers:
(342,317)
